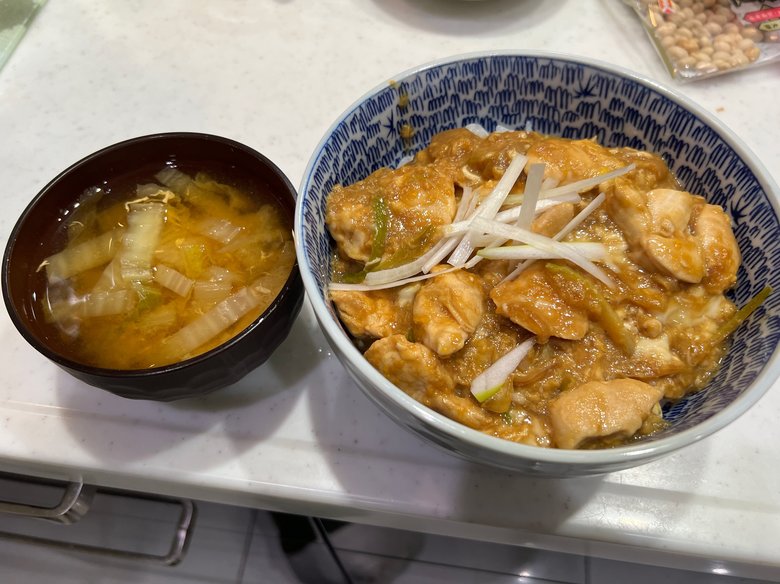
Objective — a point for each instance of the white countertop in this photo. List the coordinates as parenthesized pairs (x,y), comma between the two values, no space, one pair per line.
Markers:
(297,434)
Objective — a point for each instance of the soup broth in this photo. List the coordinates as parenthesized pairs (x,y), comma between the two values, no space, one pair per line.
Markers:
(164,265)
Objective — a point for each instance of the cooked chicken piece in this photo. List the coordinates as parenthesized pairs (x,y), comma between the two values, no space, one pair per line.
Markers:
(676,256)
(670,211)
(552,220)
(528,428)
(626,206)
(658,225)
(712,230)
(532,302)
(669,245)
(600,409)
(411,366)
(572,160)
(491,157)
(450,151)
(378,313)
(651,171)
(416,197)
(447,311)
(461,409)
(654,358)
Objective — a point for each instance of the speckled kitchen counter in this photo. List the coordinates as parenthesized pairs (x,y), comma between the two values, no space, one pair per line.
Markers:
(297,434)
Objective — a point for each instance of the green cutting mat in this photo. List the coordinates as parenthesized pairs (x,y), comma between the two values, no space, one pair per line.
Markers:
(15,17)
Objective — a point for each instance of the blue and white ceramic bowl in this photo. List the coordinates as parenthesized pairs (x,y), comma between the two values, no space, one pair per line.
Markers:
(568,97)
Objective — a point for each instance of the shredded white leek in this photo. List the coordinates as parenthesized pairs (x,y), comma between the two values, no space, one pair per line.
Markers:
(489,382)
(483,226)
(371,287)
(568,228)
(513,213)
(577,187)
(592,251)
(448,244)
(533,184)
(490,207)
(561,250)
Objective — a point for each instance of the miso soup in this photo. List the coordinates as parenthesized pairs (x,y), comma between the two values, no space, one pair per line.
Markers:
(161,269)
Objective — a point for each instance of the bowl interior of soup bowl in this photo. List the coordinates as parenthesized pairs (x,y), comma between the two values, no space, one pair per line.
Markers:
(572,98)
(30,239)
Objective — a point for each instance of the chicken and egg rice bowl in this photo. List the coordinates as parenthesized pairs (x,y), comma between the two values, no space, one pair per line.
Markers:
(547,291)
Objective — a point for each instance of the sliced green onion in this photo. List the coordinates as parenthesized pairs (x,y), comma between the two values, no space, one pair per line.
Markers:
(607,317)
(381,219)
(742,314)
(490,381)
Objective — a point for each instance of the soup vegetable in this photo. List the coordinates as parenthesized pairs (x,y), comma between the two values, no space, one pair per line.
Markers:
(163,271)
(543,290)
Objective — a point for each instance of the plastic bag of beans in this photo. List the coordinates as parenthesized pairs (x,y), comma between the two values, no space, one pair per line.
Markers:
(702,38)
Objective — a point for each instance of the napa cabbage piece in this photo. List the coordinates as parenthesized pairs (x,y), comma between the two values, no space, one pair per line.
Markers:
(144,225)
(214,322)
(82,257)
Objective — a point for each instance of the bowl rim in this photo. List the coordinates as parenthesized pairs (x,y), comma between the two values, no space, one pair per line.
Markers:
(499,446)
(107,373)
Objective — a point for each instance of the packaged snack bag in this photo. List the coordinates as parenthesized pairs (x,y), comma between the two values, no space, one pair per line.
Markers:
(702,38)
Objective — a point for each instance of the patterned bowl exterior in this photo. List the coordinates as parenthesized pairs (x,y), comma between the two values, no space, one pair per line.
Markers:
(574,99)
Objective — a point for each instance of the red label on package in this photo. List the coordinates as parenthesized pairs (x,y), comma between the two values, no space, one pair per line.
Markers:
(666,6)
(762,15)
